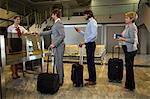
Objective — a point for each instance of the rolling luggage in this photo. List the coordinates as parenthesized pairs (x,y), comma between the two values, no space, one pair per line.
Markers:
(115,68)
(77,71)
(48,83)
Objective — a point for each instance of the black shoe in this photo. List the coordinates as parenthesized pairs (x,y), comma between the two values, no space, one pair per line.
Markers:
(110,80)
(126,87)
(90,83)
(131,89)
(14,78)
(60,84)
(87,79)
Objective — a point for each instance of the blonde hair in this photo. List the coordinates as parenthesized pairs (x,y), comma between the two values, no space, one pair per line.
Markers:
(132,15)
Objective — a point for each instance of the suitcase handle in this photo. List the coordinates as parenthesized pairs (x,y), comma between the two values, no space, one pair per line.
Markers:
(113,49)
(81,55)
(50,51)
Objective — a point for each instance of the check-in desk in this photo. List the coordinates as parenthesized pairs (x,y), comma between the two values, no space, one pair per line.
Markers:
(19,57)
(32,50)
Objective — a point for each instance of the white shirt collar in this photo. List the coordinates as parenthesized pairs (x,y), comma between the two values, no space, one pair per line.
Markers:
(15,26)
(90,19)
(57,20)
(130,24)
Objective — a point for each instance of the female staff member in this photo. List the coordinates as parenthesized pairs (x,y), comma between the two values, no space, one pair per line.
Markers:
(129,42)
(15,42)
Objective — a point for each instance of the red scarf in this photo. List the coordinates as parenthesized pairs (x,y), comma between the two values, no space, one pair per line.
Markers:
(18,32)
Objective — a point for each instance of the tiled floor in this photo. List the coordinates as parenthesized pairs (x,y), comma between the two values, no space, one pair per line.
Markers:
(25,88)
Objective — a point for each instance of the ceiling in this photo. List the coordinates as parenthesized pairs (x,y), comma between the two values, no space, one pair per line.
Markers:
(109,7)
(99,7)
(41,0)
(24,7)
(27,5)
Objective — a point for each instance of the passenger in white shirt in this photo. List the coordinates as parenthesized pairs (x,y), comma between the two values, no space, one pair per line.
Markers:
(90,36)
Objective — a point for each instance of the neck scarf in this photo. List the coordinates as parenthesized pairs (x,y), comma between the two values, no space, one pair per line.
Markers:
(18,32)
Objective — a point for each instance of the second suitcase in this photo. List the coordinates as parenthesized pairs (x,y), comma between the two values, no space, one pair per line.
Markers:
(77,71)
(115,68)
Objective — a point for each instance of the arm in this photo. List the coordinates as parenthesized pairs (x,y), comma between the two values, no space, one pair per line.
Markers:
(132,35)
(46,32)
(24,30)
(82,33)
(123,32)
(60,30)
(79,31)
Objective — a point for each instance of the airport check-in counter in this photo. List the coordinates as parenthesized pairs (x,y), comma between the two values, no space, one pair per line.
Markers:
(33,48)
(29,53)
(16,58)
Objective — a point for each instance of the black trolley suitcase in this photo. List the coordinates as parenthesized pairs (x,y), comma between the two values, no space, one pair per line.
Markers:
(48,83)
(77,71)
(115,68)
